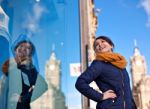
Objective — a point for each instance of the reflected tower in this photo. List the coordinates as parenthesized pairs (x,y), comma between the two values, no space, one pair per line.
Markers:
(53,98)
(53,72)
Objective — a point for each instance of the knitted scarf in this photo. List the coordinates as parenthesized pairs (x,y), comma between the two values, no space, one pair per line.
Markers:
(114,58)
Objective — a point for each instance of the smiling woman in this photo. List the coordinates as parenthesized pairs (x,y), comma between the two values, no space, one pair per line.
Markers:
(124,31)
(108,70)
(103,44)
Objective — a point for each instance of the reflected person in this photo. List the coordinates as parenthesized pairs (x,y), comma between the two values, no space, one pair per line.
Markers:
(25,82)
(24,51)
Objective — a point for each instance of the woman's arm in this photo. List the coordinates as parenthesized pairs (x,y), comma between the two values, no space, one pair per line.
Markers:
(89,75)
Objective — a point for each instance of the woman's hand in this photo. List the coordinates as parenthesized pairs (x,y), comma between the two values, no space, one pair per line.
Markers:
(15,98)
(109,94)
(31,88)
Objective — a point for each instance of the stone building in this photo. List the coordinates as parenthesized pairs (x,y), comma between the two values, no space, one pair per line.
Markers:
(53,98)
(140,80)
(88,26)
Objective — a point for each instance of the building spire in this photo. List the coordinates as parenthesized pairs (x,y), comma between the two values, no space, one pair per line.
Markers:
(136,49)
(53,55)
(135,43)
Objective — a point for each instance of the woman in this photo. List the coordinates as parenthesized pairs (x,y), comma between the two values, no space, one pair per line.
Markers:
(109,72)
(24,51)
(24,68)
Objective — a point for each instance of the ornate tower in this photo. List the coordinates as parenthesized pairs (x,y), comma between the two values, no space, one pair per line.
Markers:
(53,98)
(140,80)
(138,67)
(53,71)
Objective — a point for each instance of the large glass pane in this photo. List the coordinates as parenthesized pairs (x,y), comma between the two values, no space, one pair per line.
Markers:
(40,44)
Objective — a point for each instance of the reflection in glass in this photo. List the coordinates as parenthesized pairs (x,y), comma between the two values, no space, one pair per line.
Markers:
(4,56)
(25,83)
(43,23)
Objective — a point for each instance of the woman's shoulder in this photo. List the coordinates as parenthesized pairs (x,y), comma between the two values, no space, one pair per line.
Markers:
(97,61)
(98,64)
(104,63)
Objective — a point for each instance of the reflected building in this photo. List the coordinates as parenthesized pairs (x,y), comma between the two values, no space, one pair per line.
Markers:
(53,98)
(4,37)
(140,80)
(4,20)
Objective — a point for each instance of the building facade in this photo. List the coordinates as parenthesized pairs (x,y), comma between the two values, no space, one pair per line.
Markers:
(4,20)
(88,26)
(53,98)
(140,80)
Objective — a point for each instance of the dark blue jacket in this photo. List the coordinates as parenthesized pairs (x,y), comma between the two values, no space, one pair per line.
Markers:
(106,76)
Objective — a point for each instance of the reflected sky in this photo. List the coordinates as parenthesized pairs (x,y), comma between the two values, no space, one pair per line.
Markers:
(48,23)
(54,24)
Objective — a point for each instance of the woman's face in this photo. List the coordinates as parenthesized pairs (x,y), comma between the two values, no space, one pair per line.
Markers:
(23,51)
(102,46)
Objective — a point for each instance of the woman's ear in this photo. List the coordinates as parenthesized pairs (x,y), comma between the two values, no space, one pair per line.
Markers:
(112,47)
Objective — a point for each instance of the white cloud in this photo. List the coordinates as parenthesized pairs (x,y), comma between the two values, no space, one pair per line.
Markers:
(31,24)
(38,11)
(146,5)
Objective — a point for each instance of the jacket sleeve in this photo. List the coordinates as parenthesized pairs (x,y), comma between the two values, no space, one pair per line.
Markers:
(89,75)
(26,97)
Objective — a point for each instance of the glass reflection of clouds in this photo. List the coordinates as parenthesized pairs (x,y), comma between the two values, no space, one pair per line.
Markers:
(37,0)
(47,22)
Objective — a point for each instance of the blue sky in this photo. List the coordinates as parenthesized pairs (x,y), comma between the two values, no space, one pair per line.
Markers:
(125,21)
(121,20)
